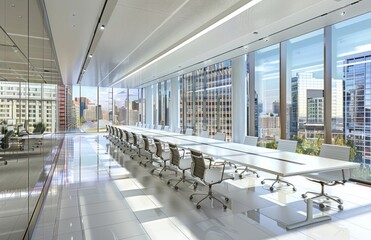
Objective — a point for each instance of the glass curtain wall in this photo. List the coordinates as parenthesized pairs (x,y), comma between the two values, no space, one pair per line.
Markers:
(267,94)
(351,48)
(133,106)
(305,91)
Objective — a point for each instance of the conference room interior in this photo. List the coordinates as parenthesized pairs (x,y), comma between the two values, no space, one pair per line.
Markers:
(85,74)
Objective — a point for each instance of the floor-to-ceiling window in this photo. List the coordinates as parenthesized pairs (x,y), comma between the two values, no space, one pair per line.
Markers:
(351,46)
(267,94)
(305,90)
(206,99)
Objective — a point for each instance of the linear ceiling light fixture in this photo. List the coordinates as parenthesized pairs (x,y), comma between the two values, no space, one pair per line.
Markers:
(196,36)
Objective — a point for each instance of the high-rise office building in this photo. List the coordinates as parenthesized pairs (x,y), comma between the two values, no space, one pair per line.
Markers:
(302,86)
(357,104)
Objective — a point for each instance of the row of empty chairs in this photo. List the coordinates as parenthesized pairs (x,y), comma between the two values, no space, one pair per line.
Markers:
(185,162)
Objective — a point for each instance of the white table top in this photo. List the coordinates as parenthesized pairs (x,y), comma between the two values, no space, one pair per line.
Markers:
(269,160)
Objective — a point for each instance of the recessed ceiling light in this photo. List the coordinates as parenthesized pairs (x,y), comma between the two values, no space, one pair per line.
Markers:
(265,39)
(245,47)
(90,55)
(102,27)
(342,13)
(255,32)
(84,70)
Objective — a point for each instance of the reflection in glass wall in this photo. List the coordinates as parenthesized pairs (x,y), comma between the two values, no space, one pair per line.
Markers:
(305,90)
(352,72)
(267,93)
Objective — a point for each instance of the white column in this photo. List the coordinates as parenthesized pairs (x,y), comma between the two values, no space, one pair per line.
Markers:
(149,110)
(239,96)
(174,103)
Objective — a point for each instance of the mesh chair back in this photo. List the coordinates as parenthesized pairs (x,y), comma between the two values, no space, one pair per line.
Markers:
(250,140)
(175,156)
(189,132)
(204,134)
(126,136)
(121,134)
(135,139)
(146,142)
(220,136)
(159,149)
(198,164)
(287,145)
(335,152)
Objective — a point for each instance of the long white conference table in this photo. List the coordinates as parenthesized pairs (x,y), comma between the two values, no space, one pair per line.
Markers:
(272,161)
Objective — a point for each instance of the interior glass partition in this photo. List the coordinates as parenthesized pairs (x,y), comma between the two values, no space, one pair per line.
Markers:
(267,94)
(89,109)
(105,108)
(119,107)
(352,72)
(29,78)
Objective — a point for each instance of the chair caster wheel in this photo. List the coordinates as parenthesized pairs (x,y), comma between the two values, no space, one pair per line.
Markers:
(224,207)
(176,187)
(262,182)
(321,205)
(190,197)
(240,176)
(271,189)
(144,165)
(294,189)
(341,208)
(236,171)
(198,206)
(168,182)
(226,199)
(5,163)
(304,195)
(160,175)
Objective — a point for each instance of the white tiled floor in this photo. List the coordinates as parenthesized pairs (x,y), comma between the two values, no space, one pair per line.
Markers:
(109,196)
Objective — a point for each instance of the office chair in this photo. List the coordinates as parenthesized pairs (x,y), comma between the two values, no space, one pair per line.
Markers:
(251,141)
(183,163)
(5,143)
(287,146)
(189,132)
(220,136)
(330,178)
(178,130)
(164,156)
(208,175)
(204,134)
(148,150)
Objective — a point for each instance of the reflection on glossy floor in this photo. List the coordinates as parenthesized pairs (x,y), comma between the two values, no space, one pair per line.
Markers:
(96,195)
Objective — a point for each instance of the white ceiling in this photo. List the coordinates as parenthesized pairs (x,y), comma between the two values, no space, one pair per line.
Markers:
(138,31)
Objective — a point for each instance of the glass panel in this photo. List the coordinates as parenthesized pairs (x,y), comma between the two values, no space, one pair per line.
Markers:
(267,65)
(133,106)
(352,73)
(120,110)
(207,100)
(88,109)
(105,112)
(305,91)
